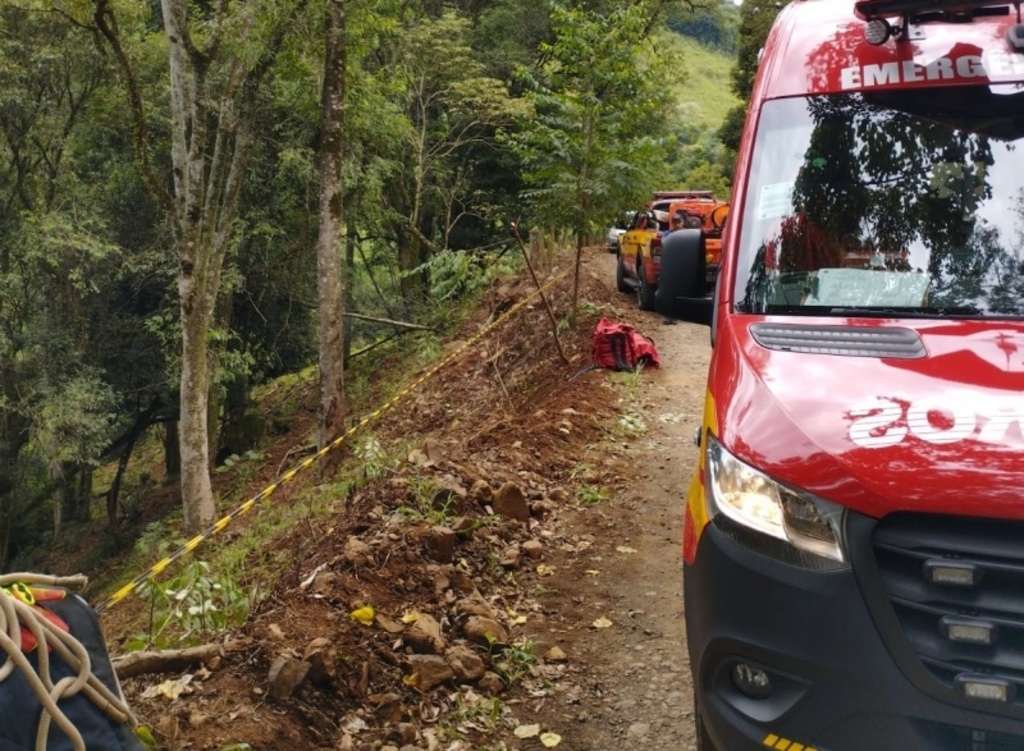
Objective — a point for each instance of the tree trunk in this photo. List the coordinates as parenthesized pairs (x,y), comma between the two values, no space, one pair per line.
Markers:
(172,450)
(83,509)
(193,433)
(329,242)
(350,264)
(212,94)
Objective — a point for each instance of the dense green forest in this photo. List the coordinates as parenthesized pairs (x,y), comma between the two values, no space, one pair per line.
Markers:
(198,197)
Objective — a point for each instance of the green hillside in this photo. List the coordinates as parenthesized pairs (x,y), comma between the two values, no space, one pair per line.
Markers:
(705,95)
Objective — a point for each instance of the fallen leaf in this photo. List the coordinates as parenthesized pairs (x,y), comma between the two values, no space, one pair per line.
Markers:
(625,549)
(544,570)
(550,740)
(514,618)
(527,731)
(592,572)
(170,689)
(364,615)
(602,622)
(410,616)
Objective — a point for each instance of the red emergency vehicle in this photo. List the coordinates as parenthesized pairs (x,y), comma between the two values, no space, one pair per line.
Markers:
(853,548)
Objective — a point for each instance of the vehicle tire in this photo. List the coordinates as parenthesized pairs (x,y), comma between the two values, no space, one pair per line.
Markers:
(644,291)
(704,742)
(620,277)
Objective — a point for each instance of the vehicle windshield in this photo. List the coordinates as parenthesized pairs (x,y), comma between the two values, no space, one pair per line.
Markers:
(887,203)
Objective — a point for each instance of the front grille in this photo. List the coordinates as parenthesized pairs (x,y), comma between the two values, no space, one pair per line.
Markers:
(953,738)
(991,599)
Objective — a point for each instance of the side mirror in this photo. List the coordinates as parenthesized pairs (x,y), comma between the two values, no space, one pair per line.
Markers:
(683,282)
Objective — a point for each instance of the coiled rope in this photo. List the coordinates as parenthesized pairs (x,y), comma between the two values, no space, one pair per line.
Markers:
(15,614)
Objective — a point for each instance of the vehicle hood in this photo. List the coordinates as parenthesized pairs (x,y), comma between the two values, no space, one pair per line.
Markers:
(934,423)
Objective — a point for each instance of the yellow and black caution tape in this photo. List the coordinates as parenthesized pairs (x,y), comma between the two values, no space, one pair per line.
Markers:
(287,477)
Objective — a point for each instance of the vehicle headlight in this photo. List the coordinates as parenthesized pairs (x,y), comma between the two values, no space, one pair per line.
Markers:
(751,499)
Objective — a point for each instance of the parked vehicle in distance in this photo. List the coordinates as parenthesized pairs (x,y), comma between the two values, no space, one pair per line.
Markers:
(640,247)
(617,230)
(853,562)
(639,263)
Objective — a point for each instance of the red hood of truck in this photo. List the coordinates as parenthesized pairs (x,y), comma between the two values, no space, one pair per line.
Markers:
(940,432)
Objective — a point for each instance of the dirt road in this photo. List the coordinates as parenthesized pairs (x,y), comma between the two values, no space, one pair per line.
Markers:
(627,685)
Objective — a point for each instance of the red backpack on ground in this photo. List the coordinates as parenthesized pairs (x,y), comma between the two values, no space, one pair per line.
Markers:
(619,346)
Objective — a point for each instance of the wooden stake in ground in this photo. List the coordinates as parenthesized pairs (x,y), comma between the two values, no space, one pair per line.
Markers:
(540,290)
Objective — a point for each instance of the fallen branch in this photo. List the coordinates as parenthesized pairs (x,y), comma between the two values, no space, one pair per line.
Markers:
(389,321)
(171,660)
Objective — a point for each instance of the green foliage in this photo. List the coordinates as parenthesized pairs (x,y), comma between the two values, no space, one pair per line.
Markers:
(591,495)
(515,661)
(458,274)
(192,607)
(756,19)
(372,458)
(75,420)
(598,103)
(731,130)
(425,508)
(713,26)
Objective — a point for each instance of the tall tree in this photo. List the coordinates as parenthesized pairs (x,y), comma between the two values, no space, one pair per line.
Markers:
(330,283)
(600,107)
(452,109)
(219,55)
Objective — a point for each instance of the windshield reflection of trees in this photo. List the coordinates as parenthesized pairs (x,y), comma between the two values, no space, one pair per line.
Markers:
(875,183)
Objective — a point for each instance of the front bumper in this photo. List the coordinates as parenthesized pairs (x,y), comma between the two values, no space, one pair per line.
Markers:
(836,682)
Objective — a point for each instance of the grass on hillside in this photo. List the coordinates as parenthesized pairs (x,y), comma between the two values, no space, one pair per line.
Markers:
(705,92)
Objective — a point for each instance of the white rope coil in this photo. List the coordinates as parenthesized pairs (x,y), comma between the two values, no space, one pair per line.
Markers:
(15,614)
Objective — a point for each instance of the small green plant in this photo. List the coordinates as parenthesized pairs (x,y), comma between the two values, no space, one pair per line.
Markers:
(629,380)
(191,607)
(371,456)
(631,423)
(590,495)
(426,506)
(514,661)
(482,711)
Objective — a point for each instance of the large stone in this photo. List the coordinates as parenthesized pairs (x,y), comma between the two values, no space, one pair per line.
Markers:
(510,501)
(485,630)
(357,552)
(439,542)
(424,636)
(469,667)
(429,671)
(286,676)
(475,605)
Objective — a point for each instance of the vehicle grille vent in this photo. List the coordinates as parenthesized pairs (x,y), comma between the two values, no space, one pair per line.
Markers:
(851,341)
(988,560)
(954,738)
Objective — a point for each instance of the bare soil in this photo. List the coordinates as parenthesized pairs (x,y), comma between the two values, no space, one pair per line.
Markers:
(587,651)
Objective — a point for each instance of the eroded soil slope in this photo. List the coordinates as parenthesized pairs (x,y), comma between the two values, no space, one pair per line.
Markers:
(513,584)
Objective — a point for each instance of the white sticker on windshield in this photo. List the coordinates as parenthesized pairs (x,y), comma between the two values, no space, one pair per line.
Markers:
(775,201)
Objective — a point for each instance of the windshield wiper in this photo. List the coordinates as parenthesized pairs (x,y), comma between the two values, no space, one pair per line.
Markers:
(884,312)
